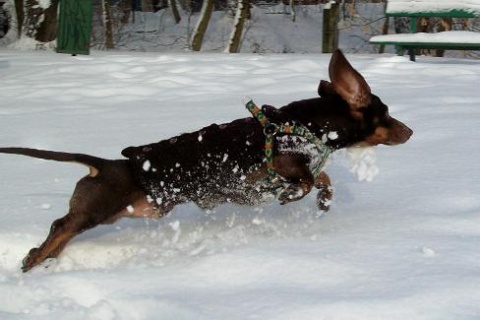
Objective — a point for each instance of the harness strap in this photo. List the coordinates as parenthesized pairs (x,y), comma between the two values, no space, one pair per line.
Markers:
(271,129)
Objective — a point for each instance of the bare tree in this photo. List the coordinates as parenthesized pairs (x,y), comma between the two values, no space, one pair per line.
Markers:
(147,5)
(240,17)
(292,10)
(176,14)
(19,9)
(126,8)
(107,22)
(202,25)
(37,22)
(384,28)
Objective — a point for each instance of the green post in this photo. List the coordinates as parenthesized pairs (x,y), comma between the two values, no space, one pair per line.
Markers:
(74,26)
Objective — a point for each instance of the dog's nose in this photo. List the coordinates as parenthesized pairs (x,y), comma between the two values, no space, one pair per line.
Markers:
(409,132)
(404,133)
(399,132)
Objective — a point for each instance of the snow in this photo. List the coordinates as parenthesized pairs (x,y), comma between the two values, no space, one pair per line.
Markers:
(402,246)
(44,3)
(439,37)
(413,6)
(146,165)
(363,163)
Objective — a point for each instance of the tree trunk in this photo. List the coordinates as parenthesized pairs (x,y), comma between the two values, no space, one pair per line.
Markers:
(32,19)
(47,30)
(126,6)
(352,9)
(240,17)
(330,27)
(109,44)
(176,14)
(402,24)
(202,25)
(39,23)
(444,24)
(384,29)
(292,10)
(19,9)
(147,5)
(343,5)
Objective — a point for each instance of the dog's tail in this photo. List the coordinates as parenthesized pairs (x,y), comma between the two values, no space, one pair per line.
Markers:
(93,163)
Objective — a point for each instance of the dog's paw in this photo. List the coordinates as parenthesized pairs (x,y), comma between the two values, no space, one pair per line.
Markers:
(324,198)
(291,193)
(323,205)
(30,260)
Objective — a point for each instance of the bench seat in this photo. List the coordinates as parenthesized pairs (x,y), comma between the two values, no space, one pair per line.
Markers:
(459,40)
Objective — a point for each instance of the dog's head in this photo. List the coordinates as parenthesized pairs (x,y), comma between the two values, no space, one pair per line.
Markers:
(368,116)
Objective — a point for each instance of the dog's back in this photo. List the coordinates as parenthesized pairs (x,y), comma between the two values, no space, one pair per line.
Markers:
(195,166)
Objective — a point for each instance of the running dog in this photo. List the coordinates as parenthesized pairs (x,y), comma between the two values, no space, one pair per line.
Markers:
(278,153)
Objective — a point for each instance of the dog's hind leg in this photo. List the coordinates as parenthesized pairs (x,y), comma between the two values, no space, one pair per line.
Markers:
(89,207)
(85,216)
(61,232)
(100,199)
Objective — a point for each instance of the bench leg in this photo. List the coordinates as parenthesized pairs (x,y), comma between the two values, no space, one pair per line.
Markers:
(399,50)
(411,53)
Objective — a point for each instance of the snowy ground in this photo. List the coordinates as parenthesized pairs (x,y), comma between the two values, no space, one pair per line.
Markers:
(404,246)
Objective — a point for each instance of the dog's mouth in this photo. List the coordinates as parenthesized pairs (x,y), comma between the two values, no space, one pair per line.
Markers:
(394,133)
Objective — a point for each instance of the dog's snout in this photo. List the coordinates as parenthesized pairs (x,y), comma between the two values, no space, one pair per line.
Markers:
(408,133)
(400,133)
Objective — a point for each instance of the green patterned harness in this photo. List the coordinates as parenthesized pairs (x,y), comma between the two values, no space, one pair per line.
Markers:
(270,129)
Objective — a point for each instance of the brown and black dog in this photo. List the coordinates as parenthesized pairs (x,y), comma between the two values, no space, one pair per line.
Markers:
(222,163)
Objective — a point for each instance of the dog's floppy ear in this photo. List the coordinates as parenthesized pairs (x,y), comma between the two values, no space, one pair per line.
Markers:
(348,83)
(325,89)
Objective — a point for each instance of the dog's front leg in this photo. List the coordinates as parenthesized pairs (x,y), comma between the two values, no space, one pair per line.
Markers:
(294,168)
(325,191)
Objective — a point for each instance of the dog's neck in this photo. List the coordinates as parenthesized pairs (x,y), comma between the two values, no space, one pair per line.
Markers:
(327,119)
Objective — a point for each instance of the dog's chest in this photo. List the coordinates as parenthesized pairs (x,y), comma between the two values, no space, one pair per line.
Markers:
(316,154)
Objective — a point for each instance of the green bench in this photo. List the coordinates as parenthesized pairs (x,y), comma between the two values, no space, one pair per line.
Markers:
(448,40)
